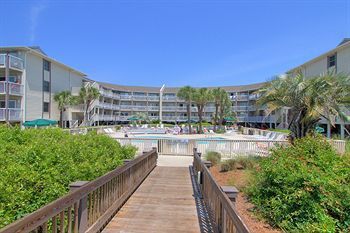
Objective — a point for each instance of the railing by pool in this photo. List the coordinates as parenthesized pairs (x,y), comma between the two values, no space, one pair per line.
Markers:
(227,148)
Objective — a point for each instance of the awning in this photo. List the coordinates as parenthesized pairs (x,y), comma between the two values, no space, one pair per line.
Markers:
(39,123)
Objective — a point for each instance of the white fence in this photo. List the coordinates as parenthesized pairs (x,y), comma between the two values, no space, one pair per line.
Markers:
(227,148)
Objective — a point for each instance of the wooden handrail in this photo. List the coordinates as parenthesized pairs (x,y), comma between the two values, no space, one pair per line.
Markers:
(224,213)
(103,197)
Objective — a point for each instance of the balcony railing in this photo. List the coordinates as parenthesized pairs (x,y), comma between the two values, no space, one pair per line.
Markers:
(140,97)
(109,106)
(260,119)
(15,62)
(169,97)
(14,114)
(239,108)
(153,98)
(14,88)
(153,108)
(125,97)
(142,108)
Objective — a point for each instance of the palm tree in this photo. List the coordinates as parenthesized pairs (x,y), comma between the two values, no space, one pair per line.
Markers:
(307,99)
(217,101)
(222,106)
(63,99)
(142,117)
(186,93)
(87,95)
(201,97)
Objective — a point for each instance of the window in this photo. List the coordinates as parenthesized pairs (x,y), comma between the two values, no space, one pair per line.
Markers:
(12,103)
(46,86)
(46,65)
(46,107)
(332,61)
(2,104)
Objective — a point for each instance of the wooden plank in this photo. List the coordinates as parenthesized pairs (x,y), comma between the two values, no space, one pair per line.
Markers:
(163,203)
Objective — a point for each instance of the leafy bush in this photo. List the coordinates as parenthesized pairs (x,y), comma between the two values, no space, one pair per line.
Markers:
(213,157)
(37,166)
(304,188)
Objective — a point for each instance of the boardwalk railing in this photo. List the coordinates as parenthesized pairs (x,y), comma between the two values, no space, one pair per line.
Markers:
(90,207)
(223,211)
(227,148)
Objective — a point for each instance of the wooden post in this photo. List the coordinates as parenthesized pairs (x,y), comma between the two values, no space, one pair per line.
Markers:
(82,211)
(208,164)
(231,192)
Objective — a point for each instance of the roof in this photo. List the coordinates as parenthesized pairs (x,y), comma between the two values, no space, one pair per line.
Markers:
(240,88)
(343,44)
(39,52)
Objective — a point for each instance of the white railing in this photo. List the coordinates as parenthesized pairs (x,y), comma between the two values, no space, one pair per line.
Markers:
(109,106)
(15,114)
(239,108)
(165,97)
(339,146)
(16,63)
(154,98)
(153,108)
(140,97)
(126,97)
(2,87)
(169,108)
(15,88)
(2,114)
(109,94)
(260,119)
(227,148)
(142,108)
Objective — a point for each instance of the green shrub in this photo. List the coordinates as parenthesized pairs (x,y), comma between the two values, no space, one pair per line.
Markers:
(228,165)
(37,166)
(213,157)
(241,162)
(304,188)
(220,131)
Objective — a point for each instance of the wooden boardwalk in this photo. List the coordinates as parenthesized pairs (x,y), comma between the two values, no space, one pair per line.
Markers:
(163,203)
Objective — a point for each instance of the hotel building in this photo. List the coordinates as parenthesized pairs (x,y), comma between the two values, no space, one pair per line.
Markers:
(29,79)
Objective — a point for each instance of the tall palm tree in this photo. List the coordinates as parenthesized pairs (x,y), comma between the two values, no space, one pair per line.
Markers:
(217,101)
(307,99)
(201,97)
(87,95)
(63,99)
(186,93)
(225,107)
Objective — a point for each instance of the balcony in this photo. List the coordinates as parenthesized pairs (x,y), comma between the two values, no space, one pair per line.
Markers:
(153,108)
(172,98)
(169,108)
(109,94)
(260,119)
(14,88)
(140,97)
(153,98)
(109,106)
(139,108)
(15,62)
(239,108)
(14,114)
(125,97)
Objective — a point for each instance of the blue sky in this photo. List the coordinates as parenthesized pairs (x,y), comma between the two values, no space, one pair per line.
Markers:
(198,43)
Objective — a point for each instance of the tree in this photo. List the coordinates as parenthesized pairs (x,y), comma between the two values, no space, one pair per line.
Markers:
(201,97)
(186,93)
(222,106)
(63,99)
(142,117)
(87,95)
(307,99)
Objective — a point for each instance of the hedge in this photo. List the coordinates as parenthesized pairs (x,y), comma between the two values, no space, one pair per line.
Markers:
(304,187)
(37,166)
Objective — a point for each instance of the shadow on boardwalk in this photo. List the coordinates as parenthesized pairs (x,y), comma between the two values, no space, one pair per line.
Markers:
(205,219)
